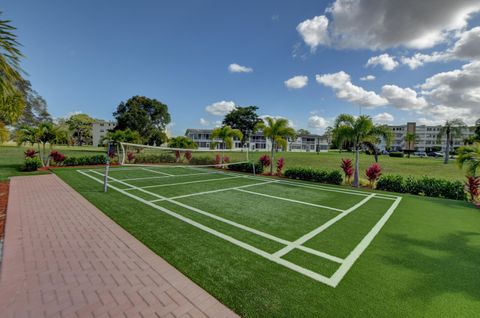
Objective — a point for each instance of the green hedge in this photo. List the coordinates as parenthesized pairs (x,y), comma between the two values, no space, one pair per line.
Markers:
(315,175)
(31,164)
(85,160)
(246,167)
(427,186)
(202,161)
(155,158)
(396,154)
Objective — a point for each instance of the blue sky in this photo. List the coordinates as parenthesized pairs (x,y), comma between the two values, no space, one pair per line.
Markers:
(90,55)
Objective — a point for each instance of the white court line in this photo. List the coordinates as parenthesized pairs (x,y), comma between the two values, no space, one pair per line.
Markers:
(219,218)
(321,228)
(360,248)
(173,175)
(158,172)
(215,191)
(230,239)
(177,183)
(291,200)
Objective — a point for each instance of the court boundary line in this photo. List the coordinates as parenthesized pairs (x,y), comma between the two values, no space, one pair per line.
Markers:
(173,184)
(332,281)
(158,172)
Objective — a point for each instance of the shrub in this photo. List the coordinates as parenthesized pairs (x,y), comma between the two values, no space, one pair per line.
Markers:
(85,160)
(426,186)
(177,155)
(31,164)
(155,158)
(472,188)
(347,168)
(188,156)
(280,164)
(57,157)
(246,167)
(130,156)
(373,173)
(202,161)
(226,159)
(30,153)
(396,154)
(265,161)
(315,175)
(218,159)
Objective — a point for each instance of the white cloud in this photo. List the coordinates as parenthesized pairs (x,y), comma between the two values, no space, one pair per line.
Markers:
(418,59)
(373,24)
(367,78)
(314,31)
(403,98)
(386,61)
(220,108)
(383,118)
(297,82)
(204,122)
(341,83)
(237,68)
(317,122)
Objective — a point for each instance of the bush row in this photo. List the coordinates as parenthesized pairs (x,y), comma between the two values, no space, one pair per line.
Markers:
(246,167)
(315,175)
(85,160)
(427,186)
(396,154)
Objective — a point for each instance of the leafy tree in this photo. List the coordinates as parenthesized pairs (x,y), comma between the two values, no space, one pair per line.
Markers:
(4,133)
(477,130)
(470,156)
(126,135)
(10,55)
(81,127)
(451,129)
(11,108)
(35,110)
(410,139)
(360,131)
(182,142)
(226,134)
(244,119)
(147,116)
(302,131)
(278,132)
(43,134)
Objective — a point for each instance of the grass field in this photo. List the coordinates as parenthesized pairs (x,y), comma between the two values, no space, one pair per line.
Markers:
(274,248)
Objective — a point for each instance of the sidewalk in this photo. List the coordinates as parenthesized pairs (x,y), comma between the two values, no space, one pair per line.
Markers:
(64,258)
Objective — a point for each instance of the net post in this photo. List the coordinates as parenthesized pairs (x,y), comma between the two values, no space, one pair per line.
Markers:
(253,168)
(107,166)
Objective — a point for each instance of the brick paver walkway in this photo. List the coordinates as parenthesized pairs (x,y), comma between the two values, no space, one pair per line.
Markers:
(65,258)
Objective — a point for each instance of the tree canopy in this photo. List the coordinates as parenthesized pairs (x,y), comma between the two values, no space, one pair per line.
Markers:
(302,132)
(149,117)
(81,127)
(244,119)
(182,142)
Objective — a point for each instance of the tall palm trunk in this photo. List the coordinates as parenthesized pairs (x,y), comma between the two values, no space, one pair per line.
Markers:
(447,149)
(355,173)
(273,157)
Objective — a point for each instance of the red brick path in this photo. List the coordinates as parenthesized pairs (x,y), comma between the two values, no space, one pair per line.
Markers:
(65,258)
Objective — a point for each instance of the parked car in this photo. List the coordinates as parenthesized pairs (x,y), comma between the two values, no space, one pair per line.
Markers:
(435,154)
(421,154)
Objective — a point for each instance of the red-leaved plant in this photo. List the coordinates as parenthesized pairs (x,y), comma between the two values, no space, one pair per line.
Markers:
(188,155)
(347,168)
(280,164)
(226,159)
(130,156)
(265,161)
(218,160)
(177,155)
(373,173)
(30,153)
(112,153)
(472,187)
(57,157)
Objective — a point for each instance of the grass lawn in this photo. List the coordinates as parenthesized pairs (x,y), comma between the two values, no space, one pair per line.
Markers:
(423,262)
(11,158)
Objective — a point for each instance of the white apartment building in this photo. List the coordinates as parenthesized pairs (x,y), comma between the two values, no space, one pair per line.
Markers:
(100,129)
(258,142)
(427,137)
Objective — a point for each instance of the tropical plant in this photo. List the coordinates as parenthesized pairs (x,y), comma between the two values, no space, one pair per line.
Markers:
(57,157)
(45,133)
(280,165)
(4,133)
(450,130)
(188,155)
(360,131)
(472,188)
(373,173)
(10,56)
(30,153)
(469,156)
(347,168)
(244,119)
(130,156)
(410,139)
(226,135)
(182,142)
(265,161)
(126,135)
(278,132)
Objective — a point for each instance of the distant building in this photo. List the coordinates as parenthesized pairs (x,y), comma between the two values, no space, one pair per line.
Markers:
(100,129)
(258,142)
(427,137)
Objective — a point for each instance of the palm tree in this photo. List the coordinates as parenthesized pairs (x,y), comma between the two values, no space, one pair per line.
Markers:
(451,129)
(470,156)
(10,56)
(410,139)
(278,132)
(360,131)
(226,134)
(45,133)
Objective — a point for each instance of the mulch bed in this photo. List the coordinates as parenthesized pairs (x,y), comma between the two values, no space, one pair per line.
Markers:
(3,207)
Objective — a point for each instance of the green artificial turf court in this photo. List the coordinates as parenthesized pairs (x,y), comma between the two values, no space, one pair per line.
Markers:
(276,247)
